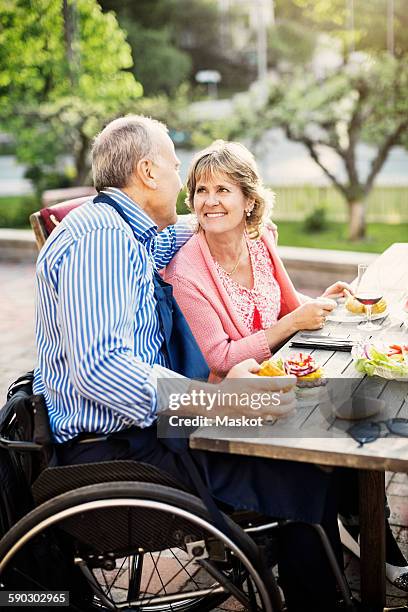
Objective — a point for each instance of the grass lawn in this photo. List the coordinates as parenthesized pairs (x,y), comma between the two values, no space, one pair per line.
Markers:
(379,236)
(15,210)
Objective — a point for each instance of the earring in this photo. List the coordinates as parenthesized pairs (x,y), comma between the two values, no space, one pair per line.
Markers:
(248,213)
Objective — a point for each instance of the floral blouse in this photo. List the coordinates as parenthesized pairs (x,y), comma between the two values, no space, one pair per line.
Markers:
(259,307)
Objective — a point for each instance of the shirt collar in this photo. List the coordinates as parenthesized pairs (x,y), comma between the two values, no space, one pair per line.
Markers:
(142,225)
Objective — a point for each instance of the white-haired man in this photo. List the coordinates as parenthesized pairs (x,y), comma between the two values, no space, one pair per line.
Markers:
(108,330)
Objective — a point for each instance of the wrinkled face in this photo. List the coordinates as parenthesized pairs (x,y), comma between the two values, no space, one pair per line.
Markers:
(166,168)
(220,204)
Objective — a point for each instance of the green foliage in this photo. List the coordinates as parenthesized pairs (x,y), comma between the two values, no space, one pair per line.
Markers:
(15,211)
(170,110)
(189,30)
(370,23)
(158,64)
(365,101)
(44,178)
(204,132)
(54,97)
(182,208)
(34,65)
(316,221)
(291,42)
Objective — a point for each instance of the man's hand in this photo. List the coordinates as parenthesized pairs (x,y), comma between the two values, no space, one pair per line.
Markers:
(311,315)
(280,390)
(244,369)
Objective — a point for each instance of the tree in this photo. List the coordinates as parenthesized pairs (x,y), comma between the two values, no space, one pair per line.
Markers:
(290,42)
(57,90)
(158,64)
(167,34)
(365,29)
(367,101)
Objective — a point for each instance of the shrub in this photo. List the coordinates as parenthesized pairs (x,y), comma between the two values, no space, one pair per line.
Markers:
(316,221)
(181,205)
(15,211)
(43,179)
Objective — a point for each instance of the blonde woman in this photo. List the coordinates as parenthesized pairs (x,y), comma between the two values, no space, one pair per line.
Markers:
(229,279)
(233,288)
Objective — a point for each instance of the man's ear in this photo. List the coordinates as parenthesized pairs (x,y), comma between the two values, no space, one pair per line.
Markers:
(145,172)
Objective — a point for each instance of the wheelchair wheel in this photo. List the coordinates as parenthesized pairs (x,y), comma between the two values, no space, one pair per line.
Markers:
(135,546)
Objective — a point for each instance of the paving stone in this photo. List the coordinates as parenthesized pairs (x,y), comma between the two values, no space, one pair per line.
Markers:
(398,488)
(399,510)
(16,322)
(231,605)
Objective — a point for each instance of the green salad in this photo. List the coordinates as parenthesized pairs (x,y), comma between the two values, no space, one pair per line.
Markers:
(387,360)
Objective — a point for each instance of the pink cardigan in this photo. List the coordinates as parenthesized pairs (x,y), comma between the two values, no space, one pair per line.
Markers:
(223,339)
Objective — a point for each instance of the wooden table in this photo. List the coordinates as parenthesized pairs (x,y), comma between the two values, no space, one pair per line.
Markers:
(313,437)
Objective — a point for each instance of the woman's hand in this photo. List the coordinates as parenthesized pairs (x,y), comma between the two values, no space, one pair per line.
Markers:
(311,315)
(337,289)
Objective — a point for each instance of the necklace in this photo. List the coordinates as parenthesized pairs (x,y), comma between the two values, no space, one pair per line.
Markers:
(237,262)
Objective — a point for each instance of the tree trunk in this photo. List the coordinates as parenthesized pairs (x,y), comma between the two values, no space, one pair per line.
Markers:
(357,223)
(81,161)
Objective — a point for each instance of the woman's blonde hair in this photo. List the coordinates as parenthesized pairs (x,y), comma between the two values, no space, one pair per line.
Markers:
(237,163)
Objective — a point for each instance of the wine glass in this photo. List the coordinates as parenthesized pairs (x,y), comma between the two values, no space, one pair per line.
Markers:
(368,293)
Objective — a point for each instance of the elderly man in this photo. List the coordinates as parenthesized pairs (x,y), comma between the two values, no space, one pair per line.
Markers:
(107,332)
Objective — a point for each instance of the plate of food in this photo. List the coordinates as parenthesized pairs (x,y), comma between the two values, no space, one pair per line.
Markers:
(381,359)
(353,311)
(308,373)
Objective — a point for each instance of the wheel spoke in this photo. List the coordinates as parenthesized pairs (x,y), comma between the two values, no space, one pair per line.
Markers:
(225,582)
(208,591)
(184,567)
(105,581)
(170,580)
(163,588)
(117,574)
(151,575)
(175,576)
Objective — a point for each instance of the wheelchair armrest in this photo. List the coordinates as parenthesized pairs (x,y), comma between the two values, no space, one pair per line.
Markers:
(20,445)
(92,438)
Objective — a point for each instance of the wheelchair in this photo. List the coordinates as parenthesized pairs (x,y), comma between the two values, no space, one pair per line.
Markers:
(122,535)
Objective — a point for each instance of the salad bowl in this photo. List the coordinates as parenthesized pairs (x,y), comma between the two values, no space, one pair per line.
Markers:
(388,361)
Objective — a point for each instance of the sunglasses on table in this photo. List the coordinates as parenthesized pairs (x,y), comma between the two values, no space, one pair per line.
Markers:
(372,430)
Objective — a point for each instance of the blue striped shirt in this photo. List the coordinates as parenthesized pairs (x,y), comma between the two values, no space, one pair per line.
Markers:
(97,329)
